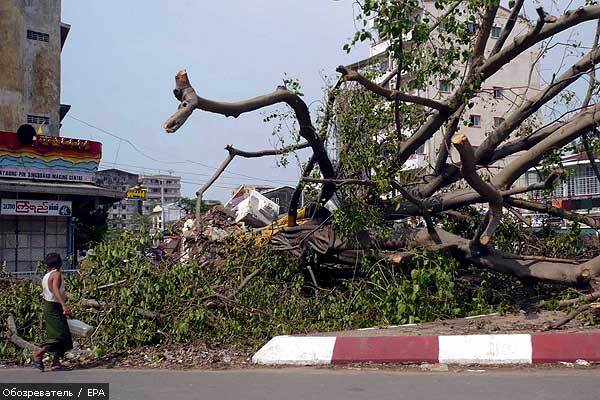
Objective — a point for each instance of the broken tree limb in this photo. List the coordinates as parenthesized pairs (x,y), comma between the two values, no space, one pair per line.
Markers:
(530,106)
(540,258)
(295,201)
(236,291)
(564,135)
(586,298)
(451,128)
(424,211)
(340,182)
(508,27)
(572,315)
(190,101)
(484,32)
(12,335)
(93,303)
(588,97)
(390,94)
(487,191)
(323,240)
(554,211)
(108,285)
(232,152)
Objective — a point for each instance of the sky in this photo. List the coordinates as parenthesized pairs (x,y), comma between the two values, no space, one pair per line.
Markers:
(120,59)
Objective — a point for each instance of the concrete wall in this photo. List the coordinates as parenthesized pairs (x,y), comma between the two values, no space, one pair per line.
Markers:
(30,77)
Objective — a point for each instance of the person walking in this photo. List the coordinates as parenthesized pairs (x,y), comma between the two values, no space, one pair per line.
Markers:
(56,311)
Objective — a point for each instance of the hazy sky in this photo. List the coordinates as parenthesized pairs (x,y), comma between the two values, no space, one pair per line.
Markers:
(120,59)
(119,62)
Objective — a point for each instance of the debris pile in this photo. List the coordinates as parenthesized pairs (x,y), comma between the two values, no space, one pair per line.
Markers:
(245,213)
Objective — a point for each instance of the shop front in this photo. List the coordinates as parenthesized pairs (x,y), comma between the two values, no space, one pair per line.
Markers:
(46,188)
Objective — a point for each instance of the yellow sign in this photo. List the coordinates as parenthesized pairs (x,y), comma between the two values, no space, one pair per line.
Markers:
(137,193)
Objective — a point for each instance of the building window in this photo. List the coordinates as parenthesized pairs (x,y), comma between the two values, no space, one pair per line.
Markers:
(40,36)
(498,121)
(444,86)
(475,120)
(38,119)
(472,27)
(496,32)
(498,92)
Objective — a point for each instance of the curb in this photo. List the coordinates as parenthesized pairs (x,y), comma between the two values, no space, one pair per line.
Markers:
(537,348)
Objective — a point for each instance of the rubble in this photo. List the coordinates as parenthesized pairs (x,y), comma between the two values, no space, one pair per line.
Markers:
(203,240)
(256,210)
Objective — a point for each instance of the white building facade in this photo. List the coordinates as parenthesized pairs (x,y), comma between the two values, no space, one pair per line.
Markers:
(501,94)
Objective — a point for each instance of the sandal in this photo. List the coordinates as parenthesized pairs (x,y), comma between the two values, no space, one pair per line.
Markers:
(39,364)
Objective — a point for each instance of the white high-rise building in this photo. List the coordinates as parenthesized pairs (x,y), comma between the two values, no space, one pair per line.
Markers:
(500,95)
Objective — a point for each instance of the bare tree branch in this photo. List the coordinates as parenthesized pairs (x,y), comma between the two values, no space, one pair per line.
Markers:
(484,31)
(423,208)
(565,134)
(508,27)
(554,211)
(451,129)
(191,101)
(522,43)
(531,106)
(588,97)
(340,182)
(389,94)
(232,152)
(293,210)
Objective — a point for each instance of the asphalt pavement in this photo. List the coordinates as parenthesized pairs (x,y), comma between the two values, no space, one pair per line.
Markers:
(330,383)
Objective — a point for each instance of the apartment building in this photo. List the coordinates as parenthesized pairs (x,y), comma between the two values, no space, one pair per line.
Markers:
(161,189)
(121,215)
(500,94)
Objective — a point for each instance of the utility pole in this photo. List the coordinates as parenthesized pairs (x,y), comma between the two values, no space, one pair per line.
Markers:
(162,203)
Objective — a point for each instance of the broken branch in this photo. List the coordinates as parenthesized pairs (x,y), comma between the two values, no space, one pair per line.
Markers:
(389,94)
(487,191)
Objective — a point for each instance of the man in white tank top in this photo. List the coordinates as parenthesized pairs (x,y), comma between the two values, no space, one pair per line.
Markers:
(56,311)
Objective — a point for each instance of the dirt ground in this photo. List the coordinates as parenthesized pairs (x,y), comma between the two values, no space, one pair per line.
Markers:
(511,323)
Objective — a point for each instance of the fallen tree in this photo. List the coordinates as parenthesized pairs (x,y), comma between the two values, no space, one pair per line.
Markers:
(380,127)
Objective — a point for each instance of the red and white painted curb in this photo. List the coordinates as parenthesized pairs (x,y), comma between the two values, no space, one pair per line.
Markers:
(460,349)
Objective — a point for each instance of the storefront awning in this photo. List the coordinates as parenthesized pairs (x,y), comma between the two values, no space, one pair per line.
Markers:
(65,188)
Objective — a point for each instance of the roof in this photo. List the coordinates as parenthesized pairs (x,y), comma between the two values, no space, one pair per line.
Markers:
(360,64)
(276,189)
(115,170)
(76,189)
(576,159)
(64,32)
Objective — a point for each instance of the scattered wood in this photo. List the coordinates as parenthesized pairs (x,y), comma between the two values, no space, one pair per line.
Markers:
(586,298)
(12,335)
(573,314)
(93,303)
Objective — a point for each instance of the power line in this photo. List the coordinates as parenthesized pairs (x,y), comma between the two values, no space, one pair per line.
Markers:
(145,168)
(169,162)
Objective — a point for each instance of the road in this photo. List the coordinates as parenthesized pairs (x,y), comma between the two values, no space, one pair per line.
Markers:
(330,384)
